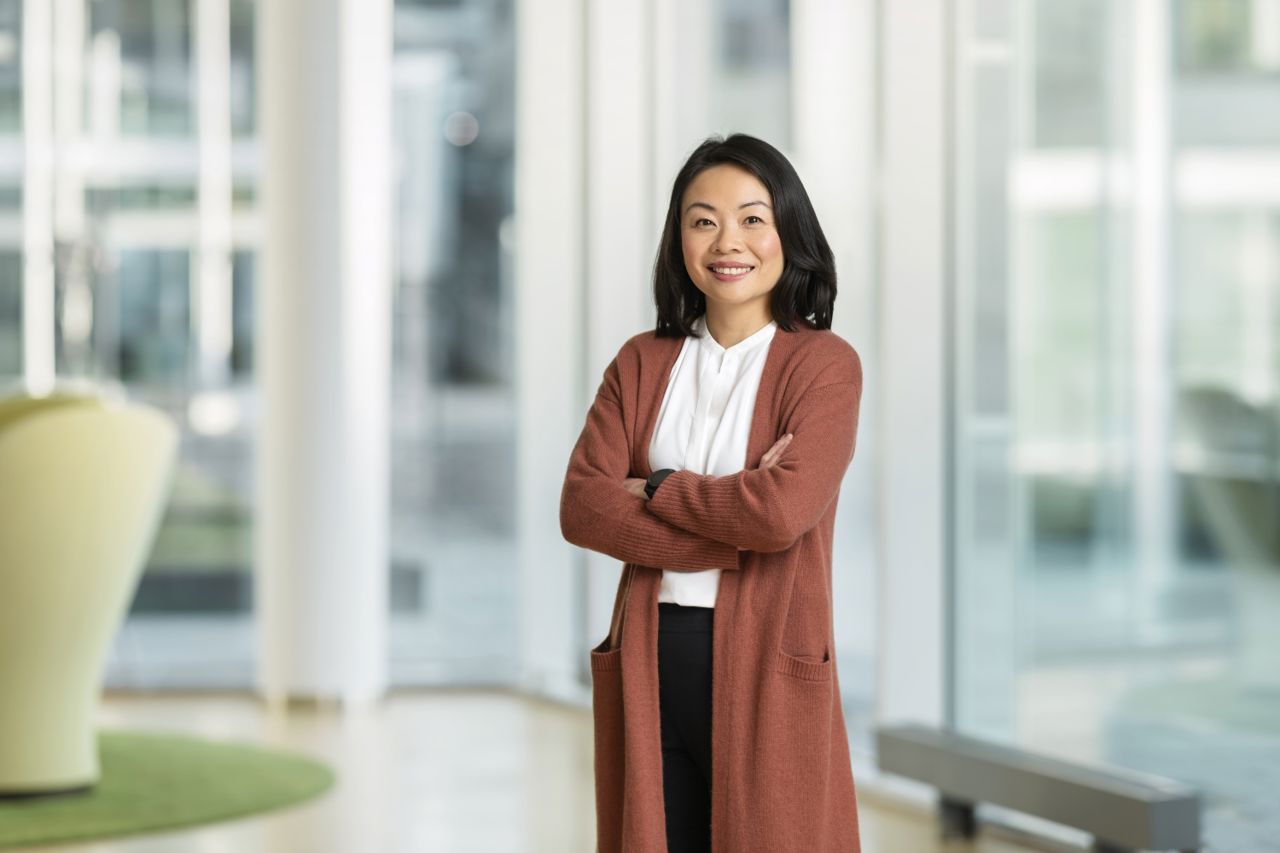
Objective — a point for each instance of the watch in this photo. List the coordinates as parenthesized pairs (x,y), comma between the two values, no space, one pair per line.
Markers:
(651,484)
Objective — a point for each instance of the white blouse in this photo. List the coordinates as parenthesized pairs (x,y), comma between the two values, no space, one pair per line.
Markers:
(703,426)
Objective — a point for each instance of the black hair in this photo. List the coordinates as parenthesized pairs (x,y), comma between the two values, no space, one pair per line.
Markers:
(806,290)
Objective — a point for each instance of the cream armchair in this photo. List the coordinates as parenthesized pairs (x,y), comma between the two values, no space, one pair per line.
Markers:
(83,483)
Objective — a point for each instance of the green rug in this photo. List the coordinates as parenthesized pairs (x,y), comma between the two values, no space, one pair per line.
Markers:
(153,782)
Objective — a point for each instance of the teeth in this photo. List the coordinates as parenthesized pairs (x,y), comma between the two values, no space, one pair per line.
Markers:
(730,270)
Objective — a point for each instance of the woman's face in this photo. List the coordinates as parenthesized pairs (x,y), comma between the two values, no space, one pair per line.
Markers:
(731,248)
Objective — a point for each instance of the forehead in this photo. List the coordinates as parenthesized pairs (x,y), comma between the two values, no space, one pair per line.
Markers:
(725,186)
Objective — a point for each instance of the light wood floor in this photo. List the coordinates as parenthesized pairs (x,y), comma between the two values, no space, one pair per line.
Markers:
(439,771)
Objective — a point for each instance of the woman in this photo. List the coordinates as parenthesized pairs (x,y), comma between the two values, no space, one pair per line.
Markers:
(710,464)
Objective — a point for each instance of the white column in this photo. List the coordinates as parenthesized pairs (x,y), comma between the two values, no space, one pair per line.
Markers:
(622,227)
(912,376)
(68,110)
(37,196)
(833,113)
(324,333)
(550,327)
(833,78)
(681,116)
(1154,484)
(212,268)
(69,183)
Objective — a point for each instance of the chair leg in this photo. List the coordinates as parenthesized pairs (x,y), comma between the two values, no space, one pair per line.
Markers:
(1100,846)
(958,818)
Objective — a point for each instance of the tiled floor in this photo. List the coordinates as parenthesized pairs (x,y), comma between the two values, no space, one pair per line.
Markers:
(439,771)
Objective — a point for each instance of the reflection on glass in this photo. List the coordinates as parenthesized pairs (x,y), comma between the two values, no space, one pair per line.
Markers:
(152,342)
(244,280)
(453,552)
(10,315)
(244,69)
(1227,35)
(10,66)
(1068,640)
(1228,421)
(144,47)
(1070,61)
(751,81)
(126,239)
(1226,57)
(106,200)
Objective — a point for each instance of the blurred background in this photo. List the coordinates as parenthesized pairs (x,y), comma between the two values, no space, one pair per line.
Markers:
(1057,226)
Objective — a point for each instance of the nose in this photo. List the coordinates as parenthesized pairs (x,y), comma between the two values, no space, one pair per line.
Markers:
(728,240)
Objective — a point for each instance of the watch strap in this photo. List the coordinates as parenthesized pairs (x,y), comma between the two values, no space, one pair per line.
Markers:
(654,479)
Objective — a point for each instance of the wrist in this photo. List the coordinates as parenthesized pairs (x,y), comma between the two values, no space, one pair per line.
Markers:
(655,479)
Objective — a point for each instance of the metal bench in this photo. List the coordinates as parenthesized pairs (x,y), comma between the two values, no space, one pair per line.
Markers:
(1124,811)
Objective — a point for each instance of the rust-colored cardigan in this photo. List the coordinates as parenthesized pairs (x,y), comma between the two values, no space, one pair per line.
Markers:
(781,775)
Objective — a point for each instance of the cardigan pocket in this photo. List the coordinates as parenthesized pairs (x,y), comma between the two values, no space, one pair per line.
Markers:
(793,748)
(610,744)
(604,658)
(804,668)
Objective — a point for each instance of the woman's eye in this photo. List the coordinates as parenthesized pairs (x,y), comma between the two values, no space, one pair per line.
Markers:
(700,221)
(756,218)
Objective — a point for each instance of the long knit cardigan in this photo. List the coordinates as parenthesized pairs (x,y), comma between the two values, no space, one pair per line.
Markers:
(781,775)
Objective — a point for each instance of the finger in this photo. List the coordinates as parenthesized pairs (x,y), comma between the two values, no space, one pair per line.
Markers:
(776,451)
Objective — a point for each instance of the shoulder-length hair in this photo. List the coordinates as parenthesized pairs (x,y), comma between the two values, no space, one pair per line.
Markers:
(806,290)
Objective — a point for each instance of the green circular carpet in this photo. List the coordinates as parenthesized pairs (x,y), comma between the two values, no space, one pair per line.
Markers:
(151,782)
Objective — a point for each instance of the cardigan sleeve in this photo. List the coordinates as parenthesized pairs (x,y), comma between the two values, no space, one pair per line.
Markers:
(598,513)
(769,509)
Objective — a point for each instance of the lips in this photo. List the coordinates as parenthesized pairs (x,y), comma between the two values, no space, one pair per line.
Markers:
(730,272)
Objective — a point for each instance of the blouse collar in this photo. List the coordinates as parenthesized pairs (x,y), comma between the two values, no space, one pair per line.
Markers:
(750,342)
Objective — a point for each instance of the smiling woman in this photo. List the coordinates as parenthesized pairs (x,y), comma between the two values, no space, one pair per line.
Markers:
(742,245)
(731,249)
(711,463)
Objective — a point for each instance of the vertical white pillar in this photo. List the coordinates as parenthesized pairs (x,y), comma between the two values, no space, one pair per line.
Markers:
(833,114)
(912,378)
(324,333)
(212,269)
(683,62)
(38,354)
(69,181)
(621,230)
(833,78)
(1153,493)
(550,326)
(68,110)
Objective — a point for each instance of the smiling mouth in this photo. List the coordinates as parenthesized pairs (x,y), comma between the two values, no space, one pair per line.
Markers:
(729,270)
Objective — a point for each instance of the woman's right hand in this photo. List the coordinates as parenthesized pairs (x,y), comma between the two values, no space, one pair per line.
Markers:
(772,455)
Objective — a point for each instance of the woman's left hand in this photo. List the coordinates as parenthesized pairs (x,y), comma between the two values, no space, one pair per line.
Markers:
(635,485)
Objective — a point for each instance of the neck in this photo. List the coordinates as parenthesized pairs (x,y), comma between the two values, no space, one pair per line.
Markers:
(729,326)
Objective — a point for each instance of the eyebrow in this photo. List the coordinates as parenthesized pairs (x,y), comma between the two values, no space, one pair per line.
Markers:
(713,210)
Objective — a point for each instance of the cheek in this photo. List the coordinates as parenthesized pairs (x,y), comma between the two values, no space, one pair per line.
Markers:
(692,251)
(768,248)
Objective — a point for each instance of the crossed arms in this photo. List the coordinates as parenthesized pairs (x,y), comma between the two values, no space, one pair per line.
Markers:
(695,521)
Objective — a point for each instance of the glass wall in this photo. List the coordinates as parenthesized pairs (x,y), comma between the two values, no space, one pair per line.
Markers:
(142,300)
(10,191)
(454,573)
(751,75)
(1117,364)
(147,297)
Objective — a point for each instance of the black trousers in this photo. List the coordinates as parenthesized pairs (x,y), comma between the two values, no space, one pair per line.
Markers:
(684,698)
